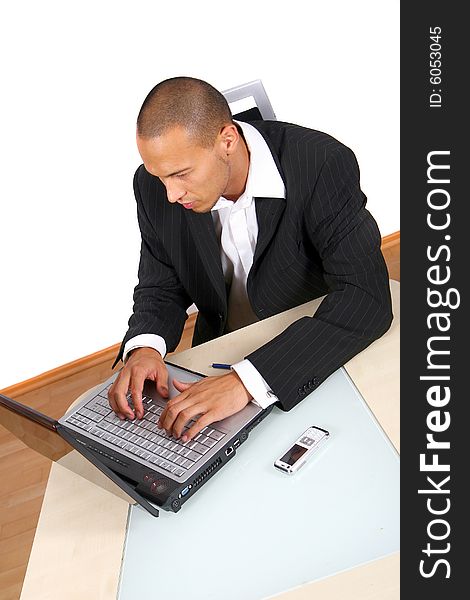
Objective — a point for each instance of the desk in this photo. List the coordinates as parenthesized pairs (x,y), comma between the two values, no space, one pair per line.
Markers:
(78,547)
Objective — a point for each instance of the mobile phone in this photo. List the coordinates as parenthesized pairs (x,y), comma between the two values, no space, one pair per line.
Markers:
(301,450)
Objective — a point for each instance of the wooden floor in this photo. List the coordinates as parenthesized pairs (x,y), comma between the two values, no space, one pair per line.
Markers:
(24,473)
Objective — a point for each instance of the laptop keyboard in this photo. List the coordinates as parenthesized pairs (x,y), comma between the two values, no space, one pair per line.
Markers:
(142,437)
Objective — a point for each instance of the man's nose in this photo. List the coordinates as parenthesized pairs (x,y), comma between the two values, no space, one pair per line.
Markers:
(174,191)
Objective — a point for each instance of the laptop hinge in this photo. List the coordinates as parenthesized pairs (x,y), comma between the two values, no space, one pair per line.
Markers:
(117,479)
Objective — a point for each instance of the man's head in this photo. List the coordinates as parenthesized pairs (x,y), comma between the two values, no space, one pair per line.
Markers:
(186,137)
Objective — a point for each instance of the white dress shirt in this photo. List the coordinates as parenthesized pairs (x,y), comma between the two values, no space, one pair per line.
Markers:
(236,226)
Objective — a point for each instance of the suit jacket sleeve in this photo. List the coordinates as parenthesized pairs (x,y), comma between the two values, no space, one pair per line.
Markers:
(160,301)
(357,309)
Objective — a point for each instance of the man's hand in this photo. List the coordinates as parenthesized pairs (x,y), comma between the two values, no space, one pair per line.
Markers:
(213,398)
(143,363)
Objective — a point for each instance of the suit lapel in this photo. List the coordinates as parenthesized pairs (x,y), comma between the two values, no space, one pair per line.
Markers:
(203,232)
(268,213)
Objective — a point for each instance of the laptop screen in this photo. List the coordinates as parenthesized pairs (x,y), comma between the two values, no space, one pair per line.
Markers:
(38,431)
(34,429)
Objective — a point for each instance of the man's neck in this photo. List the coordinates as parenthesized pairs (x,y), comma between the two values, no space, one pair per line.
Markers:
(240,164)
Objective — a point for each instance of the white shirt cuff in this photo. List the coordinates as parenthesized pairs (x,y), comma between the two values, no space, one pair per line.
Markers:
(145,340)
(251,378)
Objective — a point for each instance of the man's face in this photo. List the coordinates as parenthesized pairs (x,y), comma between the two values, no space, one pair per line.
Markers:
(193,176)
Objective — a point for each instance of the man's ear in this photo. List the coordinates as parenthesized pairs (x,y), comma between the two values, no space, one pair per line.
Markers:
(229,138)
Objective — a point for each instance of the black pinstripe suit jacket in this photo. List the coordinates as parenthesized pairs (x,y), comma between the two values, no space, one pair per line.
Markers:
(319,240)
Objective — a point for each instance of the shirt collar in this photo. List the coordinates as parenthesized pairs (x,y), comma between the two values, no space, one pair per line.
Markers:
(264,179)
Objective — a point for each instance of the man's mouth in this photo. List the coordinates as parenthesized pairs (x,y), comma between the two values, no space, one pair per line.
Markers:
(187,205)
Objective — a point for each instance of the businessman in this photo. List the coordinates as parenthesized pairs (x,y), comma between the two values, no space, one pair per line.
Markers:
(245,220)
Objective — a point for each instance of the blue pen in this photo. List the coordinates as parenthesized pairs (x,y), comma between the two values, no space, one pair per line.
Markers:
(220,366)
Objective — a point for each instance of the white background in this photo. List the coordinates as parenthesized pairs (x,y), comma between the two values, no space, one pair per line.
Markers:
(73,78)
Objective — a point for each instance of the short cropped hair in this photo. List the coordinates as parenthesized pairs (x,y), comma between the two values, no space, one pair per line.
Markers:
(186,102)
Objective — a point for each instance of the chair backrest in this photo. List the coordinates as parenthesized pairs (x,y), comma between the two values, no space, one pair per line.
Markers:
(249,102)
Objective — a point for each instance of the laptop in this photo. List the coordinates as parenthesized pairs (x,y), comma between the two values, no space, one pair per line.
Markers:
(153,468)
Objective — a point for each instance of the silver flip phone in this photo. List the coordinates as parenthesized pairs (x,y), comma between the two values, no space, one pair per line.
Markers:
(301,450)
